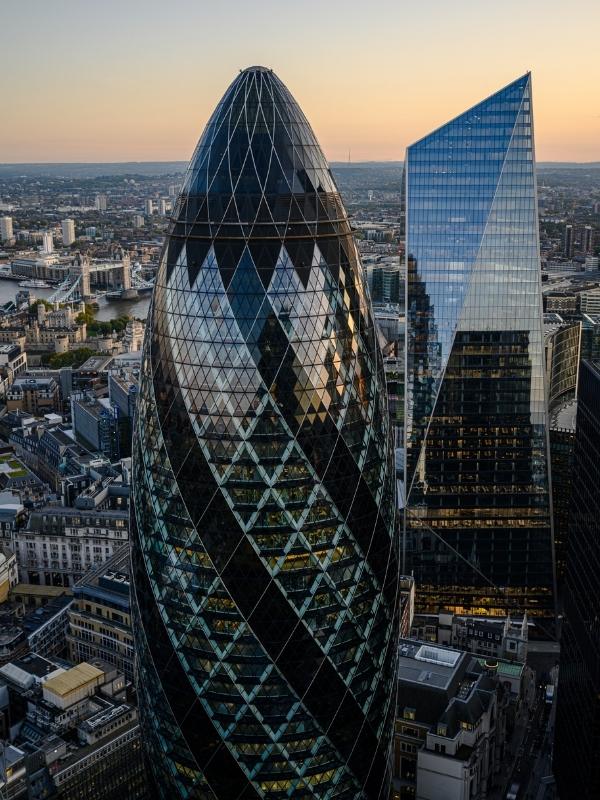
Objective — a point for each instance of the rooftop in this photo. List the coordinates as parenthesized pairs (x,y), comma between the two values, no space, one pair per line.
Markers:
(95,364)
(510,669)
(73,679)
(7,349)
(11,466)
(21,384)
(29,669)
(428,665)
(40,616)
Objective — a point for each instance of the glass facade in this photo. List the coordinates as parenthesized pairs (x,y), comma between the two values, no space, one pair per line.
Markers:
(264,553)
(577,739)
(478,511)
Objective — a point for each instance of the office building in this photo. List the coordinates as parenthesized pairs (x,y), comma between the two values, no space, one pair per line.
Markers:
(73,734)
(569,241)
(13,361)
(60,544)
(46,627)
(386,281)
(577,736)
(98,426)
(559,303)
(478,522)
(589,302)
(123,393)
(68,232)
(562,454)
(149,207)
(562,345)
(492,637)
(162,207)
(579,240)
(390,322)
(587,240)
(264,550)
(99,617)
(6,229)
(9,576)
(36,396)
(451,726)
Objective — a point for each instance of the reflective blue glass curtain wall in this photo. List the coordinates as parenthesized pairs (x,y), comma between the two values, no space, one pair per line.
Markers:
(264,554)
(478,522)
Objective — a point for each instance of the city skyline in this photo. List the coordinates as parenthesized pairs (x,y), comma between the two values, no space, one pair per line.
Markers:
(117,82)
(300,419)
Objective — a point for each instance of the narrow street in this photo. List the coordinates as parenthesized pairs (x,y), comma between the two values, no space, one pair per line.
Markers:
(529,758)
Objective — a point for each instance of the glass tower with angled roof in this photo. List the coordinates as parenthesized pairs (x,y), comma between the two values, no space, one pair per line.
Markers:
(264,554)
(478,523)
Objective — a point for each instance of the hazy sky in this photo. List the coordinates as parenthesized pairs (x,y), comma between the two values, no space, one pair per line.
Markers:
(120,80)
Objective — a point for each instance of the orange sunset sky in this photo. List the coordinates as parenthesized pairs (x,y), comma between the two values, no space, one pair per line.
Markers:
(84,80)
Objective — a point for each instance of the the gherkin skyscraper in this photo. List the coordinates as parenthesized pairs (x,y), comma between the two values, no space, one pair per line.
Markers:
(263,525)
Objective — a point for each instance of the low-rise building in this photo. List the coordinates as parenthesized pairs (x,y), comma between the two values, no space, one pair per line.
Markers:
(72,732)
(100,617)
(41,630)
(60,544)
(46,627)
(12,515)
(563,302)
(589,302)
(13,773)
(451,724)
(9,574)
(96,424)
(501,637)
(13,361)
(18,480)
(123,392)
(36,396)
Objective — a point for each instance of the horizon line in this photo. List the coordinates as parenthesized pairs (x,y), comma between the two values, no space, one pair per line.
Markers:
(184,161)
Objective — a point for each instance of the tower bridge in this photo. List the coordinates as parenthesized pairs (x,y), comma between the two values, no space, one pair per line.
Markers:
(118,276)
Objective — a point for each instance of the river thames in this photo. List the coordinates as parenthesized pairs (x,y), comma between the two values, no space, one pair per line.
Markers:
(108,309)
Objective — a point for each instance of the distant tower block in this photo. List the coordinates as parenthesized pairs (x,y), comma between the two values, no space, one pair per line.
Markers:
(162,207)
(6,228)
(101,202)
(68,232)
(569,240)
(48,243)
(370,195)
(149,207)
